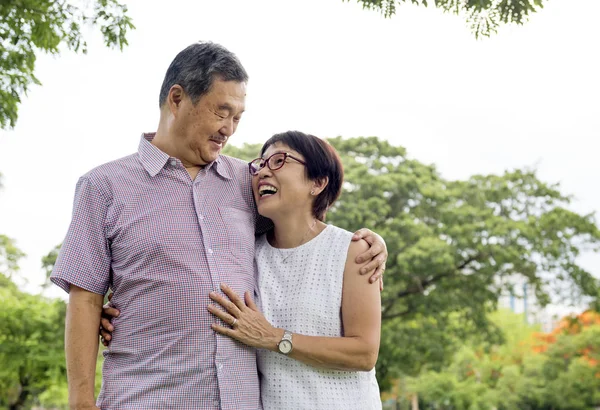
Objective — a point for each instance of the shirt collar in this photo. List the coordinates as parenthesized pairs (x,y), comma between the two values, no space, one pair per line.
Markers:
(153,159)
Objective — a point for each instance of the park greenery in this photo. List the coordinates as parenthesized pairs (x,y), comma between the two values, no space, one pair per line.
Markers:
(530,370)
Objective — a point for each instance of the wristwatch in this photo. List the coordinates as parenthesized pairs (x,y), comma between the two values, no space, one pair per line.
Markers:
(285,345)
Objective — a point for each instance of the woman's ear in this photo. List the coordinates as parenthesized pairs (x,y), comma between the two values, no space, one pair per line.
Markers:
(319,185)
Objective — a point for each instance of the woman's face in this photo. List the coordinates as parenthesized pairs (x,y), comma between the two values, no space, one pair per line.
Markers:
(285,190)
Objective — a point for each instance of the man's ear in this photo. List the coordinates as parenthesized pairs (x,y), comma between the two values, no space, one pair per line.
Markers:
(319,185)
(175,97)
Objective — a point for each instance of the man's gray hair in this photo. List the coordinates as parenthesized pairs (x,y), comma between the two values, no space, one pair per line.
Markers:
(196,67)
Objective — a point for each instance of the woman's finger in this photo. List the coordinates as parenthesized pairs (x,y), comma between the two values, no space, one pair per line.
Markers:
(250,302)
(237,301)
(106,336)
(226,303)
(225,317)
(105,323)
(227,331)
(110,311)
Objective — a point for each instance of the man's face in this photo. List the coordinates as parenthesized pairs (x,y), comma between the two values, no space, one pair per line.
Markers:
(202,129)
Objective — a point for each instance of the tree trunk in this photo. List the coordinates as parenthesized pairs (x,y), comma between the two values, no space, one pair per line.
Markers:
(415,402)
(21,400)
(20,403)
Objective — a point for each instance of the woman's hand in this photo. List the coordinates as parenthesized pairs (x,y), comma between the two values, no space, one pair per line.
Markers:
(106,327)
(248,325)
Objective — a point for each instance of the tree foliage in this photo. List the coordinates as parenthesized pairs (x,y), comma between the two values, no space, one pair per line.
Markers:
(454,247)
(483,16)
(28,27)
(32,328)
(564,375)
(31,339)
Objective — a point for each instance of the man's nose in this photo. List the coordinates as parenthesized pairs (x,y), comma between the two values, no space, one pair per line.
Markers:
(229,128)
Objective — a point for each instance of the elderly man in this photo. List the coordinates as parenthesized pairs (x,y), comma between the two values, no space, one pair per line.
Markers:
(163,228)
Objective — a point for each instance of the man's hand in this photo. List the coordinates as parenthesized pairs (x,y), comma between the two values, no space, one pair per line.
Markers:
(377,254)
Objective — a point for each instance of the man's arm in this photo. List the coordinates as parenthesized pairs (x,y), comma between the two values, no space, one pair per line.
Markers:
(81,346)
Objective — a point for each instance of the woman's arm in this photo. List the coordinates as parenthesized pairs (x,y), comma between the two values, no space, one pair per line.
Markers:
(357,350)
(361,318)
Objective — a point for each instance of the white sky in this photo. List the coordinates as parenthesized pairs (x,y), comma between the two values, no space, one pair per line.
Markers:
(528,96)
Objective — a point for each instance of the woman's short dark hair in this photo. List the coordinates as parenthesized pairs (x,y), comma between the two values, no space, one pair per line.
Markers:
(196,67)
(322,161)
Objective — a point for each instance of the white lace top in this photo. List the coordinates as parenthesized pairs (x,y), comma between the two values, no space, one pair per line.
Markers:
(303,294)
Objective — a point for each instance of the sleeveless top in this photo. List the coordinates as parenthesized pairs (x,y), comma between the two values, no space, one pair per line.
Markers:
(300,290)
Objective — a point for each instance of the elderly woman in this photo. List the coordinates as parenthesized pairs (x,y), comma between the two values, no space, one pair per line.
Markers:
(317,320)
(318,333)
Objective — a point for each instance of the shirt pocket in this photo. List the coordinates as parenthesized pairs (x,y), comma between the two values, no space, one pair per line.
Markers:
(239,231)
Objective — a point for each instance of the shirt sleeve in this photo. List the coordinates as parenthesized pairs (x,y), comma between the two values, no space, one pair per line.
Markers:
(84,259)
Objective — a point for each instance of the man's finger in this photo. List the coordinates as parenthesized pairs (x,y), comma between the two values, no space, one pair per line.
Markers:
(360,234)
(370,253)
(372,265)
(375,249)
(378,274)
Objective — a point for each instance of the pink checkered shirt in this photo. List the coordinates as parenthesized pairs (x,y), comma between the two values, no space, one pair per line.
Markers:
(162,242)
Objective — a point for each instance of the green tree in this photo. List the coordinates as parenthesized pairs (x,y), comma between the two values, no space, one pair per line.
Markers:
(31,338)
(483,16)
(48,262)
(454,244)
(33,371)
(565,375)
(9,256)
(28,27)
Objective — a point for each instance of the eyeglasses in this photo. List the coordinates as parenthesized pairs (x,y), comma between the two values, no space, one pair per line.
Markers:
(274,162)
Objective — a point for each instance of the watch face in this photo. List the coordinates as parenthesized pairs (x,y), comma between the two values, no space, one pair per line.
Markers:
(285,346)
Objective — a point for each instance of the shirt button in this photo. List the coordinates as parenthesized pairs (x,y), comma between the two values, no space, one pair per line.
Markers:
(210,251)
(201,217)
(173,162)
(216,402)
(219,366)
